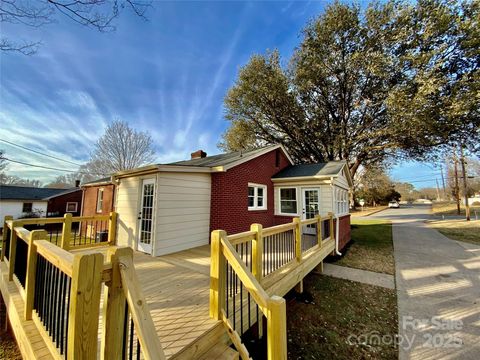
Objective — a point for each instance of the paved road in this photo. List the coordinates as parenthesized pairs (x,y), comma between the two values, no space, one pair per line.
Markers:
(438,287)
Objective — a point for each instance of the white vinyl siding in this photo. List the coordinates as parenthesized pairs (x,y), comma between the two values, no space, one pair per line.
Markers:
(15,207)
(183,212)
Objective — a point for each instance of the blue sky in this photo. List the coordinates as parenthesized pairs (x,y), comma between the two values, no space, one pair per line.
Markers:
(167,76)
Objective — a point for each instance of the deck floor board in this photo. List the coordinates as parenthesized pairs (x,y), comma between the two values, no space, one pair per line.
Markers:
(176,287)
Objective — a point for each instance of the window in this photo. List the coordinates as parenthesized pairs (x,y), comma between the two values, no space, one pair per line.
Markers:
(288,201)
(257,197)
(27,207)
(341,201)
(99,200)
(277,158)
(72,207)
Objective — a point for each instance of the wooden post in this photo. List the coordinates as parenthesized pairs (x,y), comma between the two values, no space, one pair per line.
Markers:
(319,230)
(257,263)
(66,232)
(277,329)
(217,275)
(298,239)
(112,228)
(84,306)
(32,270)
(114,308)
(4,238)
(13,251)
(298,249)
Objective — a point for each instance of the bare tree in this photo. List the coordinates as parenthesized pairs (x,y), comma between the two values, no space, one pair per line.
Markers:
(3,162)
(97,14)
(17,181)
(120,148)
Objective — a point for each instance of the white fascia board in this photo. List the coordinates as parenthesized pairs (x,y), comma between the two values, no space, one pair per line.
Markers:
(253,156)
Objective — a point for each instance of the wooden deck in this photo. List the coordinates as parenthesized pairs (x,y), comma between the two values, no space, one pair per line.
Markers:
(177,287)
(177,290)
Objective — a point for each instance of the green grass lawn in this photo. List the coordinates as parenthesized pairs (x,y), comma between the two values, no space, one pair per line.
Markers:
(337,309)
(450,208)
(461,230)
(371,247)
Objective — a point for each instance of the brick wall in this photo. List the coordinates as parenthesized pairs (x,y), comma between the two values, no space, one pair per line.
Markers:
(58,205)
(90,200)
(344,231)
(229,200)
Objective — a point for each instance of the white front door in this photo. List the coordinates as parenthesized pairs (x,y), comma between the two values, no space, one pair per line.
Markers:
(145,216)
(311,201)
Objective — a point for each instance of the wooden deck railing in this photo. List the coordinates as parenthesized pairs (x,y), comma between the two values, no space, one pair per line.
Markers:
(68,231)
(245,266)
(61,293)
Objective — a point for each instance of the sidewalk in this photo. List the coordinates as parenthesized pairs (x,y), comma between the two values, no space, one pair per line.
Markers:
(362,276)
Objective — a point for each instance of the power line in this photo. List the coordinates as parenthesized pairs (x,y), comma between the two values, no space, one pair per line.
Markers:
(38,152)
(48,167)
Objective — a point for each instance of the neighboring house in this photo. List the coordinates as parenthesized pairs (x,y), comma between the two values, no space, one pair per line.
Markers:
(98,197)
(21,201)
(474,200)
(172,207)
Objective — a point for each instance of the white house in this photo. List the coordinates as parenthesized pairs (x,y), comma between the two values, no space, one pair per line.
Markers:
(19,201)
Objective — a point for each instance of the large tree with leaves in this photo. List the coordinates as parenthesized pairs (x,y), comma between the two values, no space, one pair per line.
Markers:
(347,91)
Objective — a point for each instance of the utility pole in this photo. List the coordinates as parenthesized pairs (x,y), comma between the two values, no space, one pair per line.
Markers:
(457,189)
(464,174)
(443,184)
(438,190)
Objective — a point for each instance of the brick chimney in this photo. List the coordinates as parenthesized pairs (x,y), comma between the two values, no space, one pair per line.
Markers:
(198,154)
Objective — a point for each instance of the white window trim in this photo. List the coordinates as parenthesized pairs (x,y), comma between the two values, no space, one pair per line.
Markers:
(255,197)
(98,198)
(279,212)
(341,201)
(71,202)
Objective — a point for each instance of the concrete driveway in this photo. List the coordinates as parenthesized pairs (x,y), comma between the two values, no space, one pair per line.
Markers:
(438,287)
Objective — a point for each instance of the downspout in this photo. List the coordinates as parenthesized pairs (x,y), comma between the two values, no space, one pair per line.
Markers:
(337,222)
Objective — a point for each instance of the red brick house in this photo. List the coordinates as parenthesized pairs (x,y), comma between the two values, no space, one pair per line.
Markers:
(68,201)
(97,197)
(171,207)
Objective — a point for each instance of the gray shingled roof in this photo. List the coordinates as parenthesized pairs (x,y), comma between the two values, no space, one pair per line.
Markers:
(219,160)
(330,168)
(10,192)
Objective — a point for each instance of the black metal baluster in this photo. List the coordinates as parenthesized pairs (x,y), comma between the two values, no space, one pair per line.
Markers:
(227,289)
(69,280)
(130,353)
(138,349)
(61,302)
(125,330)
(241,299)
(234,305)
(248,292)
